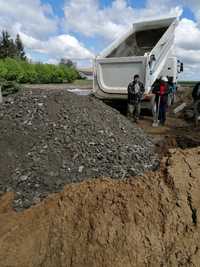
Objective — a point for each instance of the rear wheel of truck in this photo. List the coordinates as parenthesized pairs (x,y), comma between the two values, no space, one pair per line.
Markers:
(197,112)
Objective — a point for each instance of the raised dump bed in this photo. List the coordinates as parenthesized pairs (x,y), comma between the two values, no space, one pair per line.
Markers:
(146,49)
(138,43)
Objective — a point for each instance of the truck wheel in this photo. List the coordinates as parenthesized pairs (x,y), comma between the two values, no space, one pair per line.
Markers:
(170,100)
(153,106)
(197,112)
(173,99)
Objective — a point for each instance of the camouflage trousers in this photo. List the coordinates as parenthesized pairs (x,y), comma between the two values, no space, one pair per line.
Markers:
(134,110)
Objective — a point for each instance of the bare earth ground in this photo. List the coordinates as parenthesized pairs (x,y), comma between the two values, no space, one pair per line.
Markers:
(143,221)
(177,132)
(83,84)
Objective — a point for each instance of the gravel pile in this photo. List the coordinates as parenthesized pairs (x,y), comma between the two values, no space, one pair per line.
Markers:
(48,139)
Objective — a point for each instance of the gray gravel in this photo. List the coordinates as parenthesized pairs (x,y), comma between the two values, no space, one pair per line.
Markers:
(49,139)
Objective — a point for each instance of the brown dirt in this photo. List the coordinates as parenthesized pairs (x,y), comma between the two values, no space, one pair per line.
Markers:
(145,221)
(58,87)
(177,132)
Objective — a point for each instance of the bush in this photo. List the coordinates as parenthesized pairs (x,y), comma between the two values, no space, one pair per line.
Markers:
(9,87)
(29,74)
(3,70)
(14,70)
(24,72)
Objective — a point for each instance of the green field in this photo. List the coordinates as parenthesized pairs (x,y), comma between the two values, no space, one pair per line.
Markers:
(187,83)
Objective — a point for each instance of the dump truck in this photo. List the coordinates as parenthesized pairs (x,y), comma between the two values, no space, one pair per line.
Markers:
(146,49)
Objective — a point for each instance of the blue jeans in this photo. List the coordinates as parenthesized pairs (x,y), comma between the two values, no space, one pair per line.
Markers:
(162,113)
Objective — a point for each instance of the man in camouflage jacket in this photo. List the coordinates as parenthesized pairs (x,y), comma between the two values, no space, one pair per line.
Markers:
(135,94)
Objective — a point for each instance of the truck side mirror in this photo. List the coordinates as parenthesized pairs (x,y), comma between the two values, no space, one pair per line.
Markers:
(181,67)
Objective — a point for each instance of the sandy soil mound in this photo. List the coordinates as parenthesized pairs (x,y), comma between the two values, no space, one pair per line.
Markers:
(145,221)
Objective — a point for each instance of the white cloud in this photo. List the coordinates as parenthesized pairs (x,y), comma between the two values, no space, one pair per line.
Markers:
(52,61)
(87,17)
(188,35)
(194,5)
(188,47)
(30,15)
(59,46)
(38,27)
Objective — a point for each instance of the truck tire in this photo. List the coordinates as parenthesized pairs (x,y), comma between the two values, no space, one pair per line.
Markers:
(197,112)
(170,99)
(153,106)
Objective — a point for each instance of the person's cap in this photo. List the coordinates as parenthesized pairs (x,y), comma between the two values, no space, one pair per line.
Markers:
(164,79)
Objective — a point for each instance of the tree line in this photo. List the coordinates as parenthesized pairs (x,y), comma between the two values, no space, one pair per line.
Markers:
(12,48)
(15,67)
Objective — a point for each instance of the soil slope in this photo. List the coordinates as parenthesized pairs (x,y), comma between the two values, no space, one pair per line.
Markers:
(144,221)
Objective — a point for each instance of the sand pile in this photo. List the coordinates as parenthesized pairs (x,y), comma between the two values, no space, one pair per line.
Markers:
(145,221)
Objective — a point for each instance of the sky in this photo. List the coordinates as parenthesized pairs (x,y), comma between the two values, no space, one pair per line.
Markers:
(80,29)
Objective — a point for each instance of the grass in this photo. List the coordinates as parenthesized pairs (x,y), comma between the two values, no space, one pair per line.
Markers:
(83,83)
(188,83)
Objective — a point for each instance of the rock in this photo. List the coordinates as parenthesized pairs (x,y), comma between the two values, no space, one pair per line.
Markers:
(23,178)
(80,169)
(27,203)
